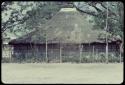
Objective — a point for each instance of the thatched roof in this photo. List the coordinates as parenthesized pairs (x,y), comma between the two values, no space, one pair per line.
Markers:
(67,26)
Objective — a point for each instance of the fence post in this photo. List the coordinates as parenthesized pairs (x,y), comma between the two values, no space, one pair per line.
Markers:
(93,51)
(120,56)
(80,47)
(46,51)
(107,53)
(11,55)
(60,54)
(121,51)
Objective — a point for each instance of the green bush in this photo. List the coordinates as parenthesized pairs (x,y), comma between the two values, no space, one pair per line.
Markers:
(113,58)
(6,60)
(89,58)
(70,59)
(85,58)
(101,57)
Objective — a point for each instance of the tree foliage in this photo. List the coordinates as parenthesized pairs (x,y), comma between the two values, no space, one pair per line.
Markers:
(98,11)
(18,16)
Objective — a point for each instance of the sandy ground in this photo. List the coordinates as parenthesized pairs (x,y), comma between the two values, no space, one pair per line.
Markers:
(62,73)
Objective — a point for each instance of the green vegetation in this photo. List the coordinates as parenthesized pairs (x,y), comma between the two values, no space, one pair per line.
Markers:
(86,58)
(26,16)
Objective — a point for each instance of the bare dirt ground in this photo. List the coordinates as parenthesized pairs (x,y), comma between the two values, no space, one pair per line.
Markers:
(62,73)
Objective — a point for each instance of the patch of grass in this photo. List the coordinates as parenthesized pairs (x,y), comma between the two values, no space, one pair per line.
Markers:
(62,73)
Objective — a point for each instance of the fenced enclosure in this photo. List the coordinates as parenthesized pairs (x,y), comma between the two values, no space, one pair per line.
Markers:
(57,54)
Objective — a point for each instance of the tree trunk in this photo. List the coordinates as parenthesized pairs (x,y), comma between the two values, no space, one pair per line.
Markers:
(107,36)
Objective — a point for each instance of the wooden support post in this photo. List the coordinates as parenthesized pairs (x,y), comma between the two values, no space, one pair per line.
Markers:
(107,52)
(80,58)
(60,54)
(33,54)
(46,51)
(120,49)
(11,55)
(93,51)
(120,57)
(81,52)
(26,54)
(106,28)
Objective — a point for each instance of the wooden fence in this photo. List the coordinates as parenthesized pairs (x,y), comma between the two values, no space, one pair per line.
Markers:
(59,55)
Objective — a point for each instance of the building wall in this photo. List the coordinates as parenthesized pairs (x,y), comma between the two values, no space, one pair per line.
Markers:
(71,51)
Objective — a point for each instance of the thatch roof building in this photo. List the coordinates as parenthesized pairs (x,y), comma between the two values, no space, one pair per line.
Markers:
(68,26)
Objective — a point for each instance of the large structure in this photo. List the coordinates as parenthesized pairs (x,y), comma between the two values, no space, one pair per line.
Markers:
(67,36)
